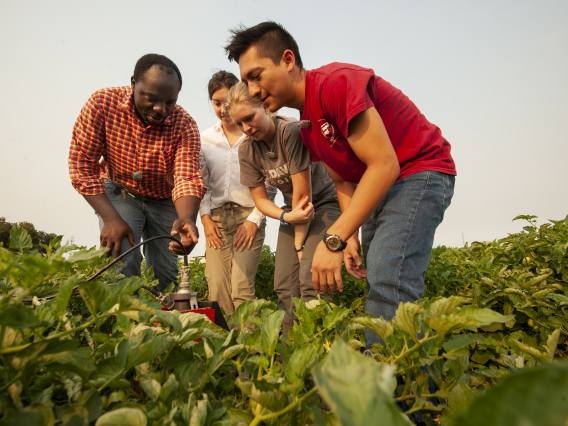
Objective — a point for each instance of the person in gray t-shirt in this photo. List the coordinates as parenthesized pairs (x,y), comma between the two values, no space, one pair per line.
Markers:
(274,154)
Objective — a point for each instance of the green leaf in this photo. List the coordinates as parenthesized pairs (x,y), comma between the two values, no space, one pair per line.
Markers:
(461,341)
(483,316)
(299,364)
(19,317)
(81,255)
(378,325)
(145,352)
(78,361)
(529,398)
(233,351)
(93,294)
(123,417)
(405,317)
(199,413)
(123,323)
(234,417)
(270,331)
(338,315)
(246,309)
(265,393)
(92,401)
(171,385)
(37,414)
(305,316)
(445,306)
(169,318)
(357,389)
(458,400)
(62,299)
(20,239)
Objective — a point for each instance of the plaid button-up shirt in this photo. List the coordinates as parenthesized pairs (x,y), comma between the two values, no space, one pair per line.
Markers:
(166,156)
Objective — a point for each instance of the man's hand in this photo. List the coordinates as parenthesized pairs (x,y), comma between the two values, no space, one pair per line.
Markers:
(326,270)
(212,232)
(245,235)
(112,235)
(302,213)
(352,260)
(189,235)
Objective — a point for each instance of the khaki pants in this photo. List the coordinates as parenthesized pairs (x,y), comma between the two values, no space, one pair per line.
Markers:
(293,278)
(230,273)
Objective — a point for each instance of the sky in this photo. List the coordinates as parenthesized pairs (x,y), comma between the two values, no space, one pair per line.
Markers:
(491,74)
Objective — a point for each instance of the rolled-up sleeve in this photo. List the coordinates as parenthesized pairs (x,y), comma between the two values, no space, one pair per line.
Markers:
(188,179)
(87,147)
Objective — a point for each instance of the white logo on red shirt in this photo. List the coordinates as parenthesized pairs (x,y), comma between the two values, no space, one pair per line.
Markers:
(328,132)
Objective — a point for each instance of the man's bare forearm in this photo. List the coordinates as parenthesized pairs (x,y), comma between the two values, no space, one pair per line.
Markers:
(102,205)
(187,207)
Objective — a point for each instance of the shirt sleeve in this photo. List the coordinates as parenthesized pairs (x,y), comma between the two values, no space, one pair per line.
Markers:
(187,178)
(87,147)
(256,217)
(205,206)
(298,155)
(344,94)
(251,176)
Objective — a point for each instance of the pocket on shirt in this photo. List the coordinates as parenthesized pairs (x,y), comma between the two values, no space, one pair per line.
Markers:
(167,156)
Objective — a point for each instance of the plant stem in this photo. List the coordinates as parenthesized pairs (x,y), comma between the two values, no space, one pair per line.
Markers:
(258,418)
(417,346)
(287,408)
(7,385)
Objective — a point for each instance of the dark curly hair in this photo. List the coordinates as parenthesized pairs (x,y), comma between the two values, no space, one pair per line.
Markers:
(270,38)
(147,61)
(219,80)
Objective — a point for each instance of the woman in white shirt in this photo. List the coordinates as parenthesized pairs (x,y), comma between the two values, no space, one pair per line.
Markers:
(234,228)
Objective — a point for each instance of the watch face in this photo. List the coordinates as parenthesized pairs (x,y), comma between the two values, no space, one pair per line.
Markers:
(333,243)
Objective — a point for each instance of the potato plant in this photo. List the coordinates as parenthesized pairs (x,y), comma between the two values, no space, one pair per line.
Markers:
(465,350)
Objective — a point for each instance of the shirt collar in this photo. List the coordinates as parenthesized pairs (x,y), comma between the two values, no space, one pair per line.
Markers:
(127,103)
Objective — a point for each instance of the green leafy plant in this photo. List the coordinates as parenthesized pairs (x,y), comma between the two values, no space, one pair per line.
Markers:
(95,354)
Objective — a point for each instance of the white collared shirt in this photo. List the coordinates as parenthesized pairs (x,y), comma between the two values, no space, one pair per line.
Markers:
(222,174)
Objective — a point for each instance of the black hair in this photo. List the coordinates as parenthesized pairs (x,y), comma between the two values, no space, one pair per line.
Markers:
(147,61)
(270,38)
(221,79)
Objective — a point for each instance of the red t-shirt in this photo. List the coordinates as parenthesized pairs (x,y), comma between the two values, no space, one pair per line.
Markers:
(336,93)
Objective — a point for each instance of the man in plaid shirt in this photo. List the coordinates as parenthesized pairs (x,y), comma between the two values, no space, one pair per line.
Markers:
(149,181)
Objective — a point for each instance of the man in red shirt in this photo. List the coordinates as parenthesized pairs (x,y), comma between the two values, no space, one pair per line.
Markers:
(149,181)
(392,168)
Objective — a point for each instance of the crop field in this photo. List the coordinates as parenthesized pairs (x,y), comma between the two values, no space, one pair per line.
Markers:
(484,346)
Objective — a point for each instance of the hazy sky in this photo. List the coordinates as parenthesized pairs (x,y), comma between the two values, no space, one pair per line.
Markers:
(491,74)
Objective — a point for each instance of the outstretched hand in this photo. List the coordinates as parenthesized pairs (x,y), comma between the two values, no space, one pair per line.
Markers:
(185,227)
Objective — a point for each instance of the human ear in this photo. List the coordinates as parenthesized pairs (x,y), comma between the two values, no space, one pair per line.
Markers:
(289,60)
(132,83)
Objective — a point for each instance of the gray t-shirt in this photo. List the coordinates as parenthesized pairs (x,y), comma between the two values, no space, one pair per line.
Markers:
(291,157)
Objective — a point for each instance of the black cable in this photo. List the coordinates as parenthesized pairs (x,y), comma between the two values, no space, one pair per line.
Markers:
(185,263)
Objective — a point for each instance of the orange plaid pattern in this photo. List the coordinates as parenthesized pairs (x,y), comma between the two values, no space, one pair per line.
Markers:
(167,156)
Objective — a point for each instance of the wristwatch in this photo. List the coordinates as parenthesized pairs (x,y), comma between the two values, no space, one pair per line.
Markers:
(334,242)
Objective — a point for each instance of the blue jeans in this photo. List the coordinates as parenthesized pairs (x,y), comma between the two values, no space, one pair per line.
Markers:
(147,218)
(397,242)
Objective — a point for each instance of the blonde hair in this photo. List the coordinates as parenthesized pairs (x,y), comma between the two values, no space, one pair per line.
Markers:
(238,95)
